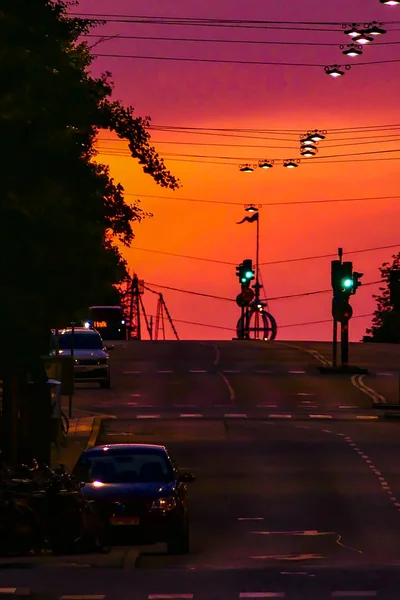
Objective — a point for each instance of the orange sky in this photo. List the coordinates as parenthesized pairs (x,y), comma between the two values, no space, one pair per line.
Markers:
(275,98)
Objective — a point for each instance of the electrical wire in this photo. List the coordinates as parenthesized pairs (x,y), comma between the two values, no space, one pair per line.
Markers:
(219,41)
(273,262)
(286,297)
(239,62)
(285,203)
(284,326)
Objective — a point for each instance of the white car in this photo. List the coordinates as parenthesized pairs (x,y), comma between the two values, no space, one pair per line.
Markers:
(90,354)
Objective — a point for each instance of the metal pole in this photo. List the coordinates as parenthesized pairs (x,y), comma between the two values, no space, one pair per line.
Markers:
(257,256)
(345,343)
(334,345)
(73,362)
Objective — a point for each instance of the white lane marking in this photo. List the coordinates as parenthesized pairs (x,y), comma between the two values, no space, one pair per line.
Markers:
(229,386)
(261,595)
(119,433)
(197,371)
(367,417)
(165,371)
(236,415)
(348,406)
(306,532)
(386,374)
(280,416)
(8,590)
(295,372)
(147,416)
(131,372)
(354,594)
(327,431)
(231,371)
(315,416)
(304,394)
(170,596)
(250,518)
(190,415)
(135,395)
(267,405)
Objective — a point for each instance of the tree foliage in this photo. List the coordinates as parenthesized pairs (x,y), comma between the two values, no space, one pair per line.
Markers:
(385,323)
(61,211)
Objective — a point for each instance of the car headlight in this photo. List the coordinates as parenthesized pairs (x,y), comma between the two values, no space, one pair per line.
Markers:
(164,504)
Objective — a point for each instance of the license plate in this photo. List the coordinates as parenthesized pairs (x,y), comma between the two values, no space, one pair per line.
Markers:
(124,520)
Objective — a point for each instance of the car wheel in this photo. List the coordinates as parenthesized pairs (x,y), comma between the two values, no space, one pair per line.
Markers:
(105,385)
(179,542)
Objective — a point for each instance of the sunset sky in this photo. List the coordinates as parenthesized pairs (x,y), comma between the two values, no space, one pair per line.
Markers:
(199,220)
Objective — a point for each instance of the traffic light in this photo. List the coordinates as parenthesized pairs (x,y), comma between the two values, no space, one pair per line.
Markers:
(245,272)
(342,278)
(356,282)
(248,272)
(394,288)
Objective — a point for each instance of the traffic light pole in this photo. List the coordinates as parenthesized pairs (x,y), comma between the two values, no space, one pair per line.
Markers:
(344,330)
(257,286)
(334,344)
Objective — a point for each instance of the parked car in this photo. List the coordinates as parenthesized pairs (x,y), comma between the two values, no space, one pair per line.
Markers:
(90,354)
(141,490)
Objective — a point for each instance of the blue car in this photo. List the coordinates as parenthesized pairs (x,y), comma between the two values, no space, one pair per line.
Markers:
(140,491)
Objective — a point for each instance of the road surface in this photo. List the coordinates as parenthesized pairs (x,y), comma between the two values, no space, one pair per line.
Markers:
(298,487)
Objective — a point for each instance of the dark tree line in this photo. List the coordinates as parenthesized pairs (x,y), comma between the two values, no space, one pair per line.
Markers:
(60,210)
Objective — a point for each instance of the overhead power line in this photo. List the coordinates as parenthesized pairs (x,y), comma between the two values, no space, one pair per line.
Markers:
(284,326)
(273,262)
(286,297)
(285,203)
(239,62)
(219,41)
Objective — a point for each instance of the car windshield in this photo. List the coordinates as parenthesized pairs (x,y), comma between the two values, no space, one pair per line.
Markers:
(137,466)
(82,341)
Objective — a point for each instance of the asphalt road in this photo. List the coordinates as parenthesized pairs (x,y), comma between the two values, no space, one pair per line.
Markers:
(297,492)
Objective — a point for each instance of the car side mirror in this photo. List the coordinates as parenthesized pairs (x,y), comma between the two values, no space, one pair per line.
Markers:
(110,347)
(186,477)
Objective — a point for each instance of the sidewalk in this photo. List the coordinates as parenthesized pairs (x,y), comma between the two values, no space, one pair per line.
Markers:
(83,433)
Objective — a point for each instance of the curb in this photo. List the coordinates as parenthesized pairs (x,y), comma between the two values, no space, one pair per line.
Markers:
(94,434)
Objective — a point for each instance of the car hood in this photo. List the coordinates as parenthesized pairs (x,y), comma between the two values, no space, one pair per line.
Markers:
(85,353)
(128,491)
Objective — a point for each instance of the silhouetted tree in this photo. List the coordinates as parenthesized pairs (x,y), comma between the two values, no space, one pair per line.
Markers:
(385,323)
(60,211)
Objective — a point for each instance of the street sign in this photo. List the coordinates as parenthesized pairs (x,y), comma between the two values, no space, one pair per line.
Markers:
(245,297)
(341,310)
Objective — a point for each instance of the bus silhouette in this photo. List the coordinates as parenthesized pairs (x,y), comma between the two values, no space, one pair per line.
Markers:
(109,321)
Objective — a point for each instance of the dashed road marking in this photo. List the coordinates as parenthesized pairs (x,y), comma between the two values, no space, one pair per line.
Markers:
(198,371)
(280,416)
(369,463)
(231,371)
(344,406)
(165,371)
(8,590)
(315,416)
(250,518)
(131,372)
(263,371)
(386,374)
(236,415)
(297,372)
(83,597)
(191,415)
(261,595)
(267,405)
(304,394)
(147,416)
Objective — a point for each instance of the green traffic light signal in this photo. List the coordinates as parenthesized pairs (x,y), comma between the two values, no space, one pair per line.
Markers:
(249,274)
(347,283)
